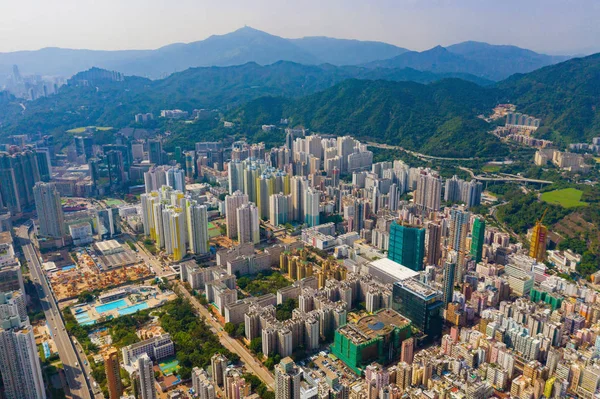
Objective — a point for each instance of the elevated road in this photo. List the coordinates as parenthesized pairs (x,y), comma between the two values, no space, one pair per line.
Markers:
(506,177)
(77,379)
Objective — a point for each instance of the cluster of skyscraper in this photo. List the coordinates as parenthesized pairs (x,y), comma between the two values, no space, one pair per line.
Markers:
(176,222)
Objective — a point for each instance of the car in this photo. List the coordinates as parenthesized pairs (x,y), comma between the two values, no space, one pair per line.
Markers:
(76,364)
(85,362)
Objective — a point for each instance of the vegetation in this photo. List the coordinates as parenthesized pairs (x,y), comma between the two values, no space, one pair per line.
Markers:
(235,330)
(567,197)
(564,96)
(284,310)
(195,344)
(258,386)
(521,213)
(267,282)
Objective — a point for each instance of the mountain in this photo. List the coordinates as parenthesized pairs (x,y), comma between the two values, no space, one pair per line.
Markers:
(236,48)
(108,98)
(347,52)
(439,118)
(501,61)
(565,96)
(480,59)
(251,45)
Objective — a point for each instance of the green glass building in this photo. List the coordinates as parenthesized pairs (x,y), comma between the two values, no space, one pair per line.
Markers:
(477,238)
(407,246)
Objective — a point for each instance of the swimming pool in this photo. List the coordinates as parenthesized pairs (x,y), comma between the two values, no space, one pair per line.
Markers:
(132,309)
(82,317)
(107,307)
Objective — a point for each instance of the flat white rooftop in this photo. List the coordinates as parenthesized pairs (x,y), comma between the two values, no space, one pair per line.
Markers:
(392,271)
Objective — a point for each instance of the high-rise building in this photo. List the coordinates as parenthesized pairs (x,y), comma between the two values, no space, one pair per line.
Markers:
(218,364)
(433,238)
(174,227)
(232,203)
(197,224)
(421,304)
(449,277)
(18,173)
(288,378)
(312,200)
(116,168)
(298,185)
(537,248)
(44,165)
(477,238)
(84,146)
(49,210)
(428,195)
(155,152)
(19,360)
(113,373)
(408,350)
(147,388)
(176,179)
(108,221)
(407,246)
(248,224)
(459,229)
(280,209)
(203,388)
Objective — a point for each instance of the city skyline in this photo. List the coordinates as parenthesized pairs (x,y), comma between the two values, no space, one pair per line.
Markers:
(411,24)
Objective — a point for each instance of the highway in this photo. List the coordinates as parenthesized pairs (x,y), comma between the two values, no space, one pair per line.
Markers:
(507,177)
(232,344)
(79,386)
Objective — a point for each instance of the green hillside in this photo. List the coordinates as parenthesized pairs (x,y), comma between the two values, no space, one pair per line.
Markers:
(439,118)
(565,96)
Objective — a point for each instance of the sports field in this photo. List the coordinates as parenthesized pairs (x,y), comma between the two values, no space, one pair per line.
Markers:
(567,197)
(169,366)
(491,168)
(82,129)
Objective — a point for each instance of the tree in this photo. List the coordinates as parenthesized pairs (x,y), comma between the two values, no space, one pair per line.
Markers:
(256,345)
(230,329)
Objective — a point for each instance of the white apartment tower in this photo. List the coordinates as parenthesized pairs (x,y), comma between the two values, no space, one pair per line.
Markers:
(248,226)
(232,203)
(197,225)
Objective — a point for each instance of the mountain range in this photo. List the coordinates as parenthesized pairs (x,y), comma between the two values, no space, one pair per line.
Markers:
(250,45)
(437,114)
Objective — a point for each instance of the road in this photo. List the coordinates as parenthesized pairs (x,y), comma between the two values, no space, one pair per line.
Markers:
(507,177)
(418,154)
(232,344)
(79,386)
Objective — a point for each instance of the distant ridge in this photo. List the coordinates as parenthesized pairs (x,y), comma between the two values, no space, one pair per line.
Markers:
(251,45)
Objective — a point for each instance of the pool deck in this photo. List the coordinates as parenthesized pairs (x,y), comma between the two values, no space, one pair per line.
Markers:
(92,313)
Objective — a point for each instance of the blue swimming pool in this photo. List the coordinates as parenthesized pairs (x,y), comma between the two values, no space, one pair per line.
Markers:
(82,317)
(107,307)
(132,309)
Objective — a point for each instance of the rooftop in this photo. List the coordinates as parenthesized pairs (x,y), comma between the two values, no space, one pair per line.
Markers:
(393,269)
(425,291)
(373,326)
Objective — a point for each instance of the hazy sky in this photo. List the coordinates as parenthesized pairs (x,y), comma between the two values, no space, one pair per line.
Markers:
(552,26)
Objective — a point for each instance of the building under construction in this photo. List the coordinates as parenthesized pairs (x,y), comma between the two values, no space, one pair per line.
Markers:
(374,338)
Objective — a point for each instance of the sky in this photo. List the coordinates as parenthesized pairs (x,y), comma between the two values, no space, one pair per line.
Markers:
(550,26)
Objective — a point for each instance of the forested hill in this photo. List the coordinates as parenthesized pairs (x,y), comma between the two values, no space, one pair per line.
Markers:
(439,118)
(103,101)
(565,96)
(386,105)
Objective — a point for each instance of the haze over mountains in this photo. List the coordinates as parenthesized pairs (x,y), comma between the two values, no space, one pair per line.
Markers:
(250,45)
